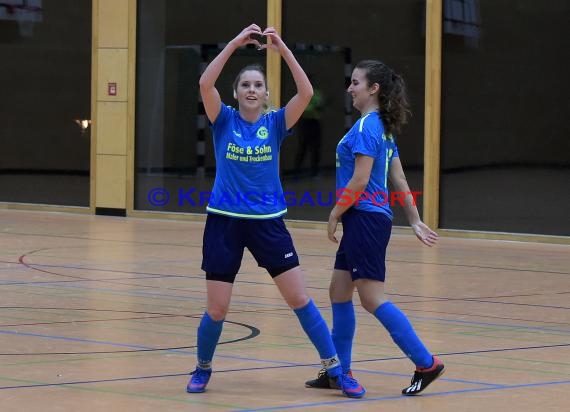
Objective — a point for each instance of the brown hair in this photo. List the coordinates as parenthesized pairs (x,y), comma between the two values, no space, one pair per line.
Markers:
(392,97)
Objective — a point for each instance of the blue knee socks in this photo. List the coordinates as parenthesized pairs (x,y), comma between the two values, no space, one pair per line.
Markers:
(316,328)
(209,333)
(344,326)
(403,334)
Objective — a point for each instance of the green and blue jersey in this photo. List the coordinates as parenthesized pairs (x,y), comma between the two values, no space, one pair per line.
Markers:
(247,183)
(366,137)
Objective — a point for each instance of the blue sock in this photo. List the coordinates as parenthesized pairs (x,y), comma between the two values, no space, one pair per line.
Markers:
(318,332)
(403,334)
(344,325)
(209,333)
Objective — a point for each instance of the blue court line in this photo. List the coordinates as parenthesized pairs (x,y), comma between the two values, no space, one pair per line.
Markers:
(133,378)
(282,305)
(532,305)
(87,268)
(293,365)
(363,371)
(37,335)
(484,299)
(306,405)
(79,266)
(69,279)
(463,265)
(34,266)
(183,297)
(131,242)
(499,325)
(124,345)
(402,397)
(283,364)
(158,275)
(131,292)
(407,375)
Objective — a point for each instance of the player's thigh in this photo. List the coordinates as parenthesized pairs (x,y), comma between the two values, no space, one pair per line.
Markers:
(218,299)
(341,288)
(291,285)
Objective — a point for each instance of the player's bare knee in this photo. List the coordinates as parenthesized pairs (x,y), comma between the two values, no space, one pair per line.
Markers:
(370,305)
(217,313)
(297,301)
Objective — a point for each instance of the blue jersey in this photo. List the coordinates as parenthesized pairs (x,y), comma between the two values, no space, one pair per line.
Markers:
(366,137)
(247,183)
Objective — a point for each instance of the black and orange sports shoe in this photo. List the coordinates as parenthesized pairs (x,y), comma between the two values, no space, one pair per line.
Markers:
(423,377)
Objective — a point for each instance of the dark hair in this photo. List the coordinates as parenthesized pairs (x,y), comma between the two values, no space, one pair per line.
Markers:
(254,67)
(392,98)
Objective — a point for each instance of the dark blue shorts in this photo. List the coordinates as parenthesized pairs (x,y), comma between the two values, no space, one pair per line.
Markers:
(362,249)
(225,238)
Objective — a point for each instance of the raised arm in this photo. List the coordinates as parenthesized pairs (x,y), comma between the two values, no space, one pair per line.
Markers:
(299,102)
(400,183)
(210,95)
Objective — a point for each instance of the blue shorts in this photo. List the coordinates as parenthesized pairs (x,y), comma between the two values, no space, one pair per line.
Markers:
(362,249)
(225,238)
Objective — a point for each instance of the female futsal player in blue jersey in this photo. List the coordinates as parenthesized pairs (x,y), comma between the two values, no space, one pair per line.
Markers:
(367,157)
(246,207)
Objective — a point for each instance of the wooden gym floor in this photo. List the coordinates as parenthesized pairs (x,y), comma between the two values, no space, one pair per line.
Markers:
(100,314)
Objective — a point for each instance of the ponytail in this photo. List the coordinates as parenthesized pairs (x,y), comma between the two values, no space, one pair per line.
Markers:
(392,99)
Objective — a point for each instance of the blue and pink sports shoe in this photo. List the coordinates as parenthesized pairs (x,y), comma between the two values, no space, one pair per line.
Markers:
(199,380)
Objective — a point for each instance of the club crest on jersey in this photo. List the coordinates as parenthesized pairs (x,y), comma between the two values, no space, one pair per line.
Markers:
(262,132)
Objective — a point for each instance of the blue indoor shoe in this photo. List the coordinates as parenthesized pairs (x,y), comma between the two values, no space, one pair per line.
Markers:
(199,380)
